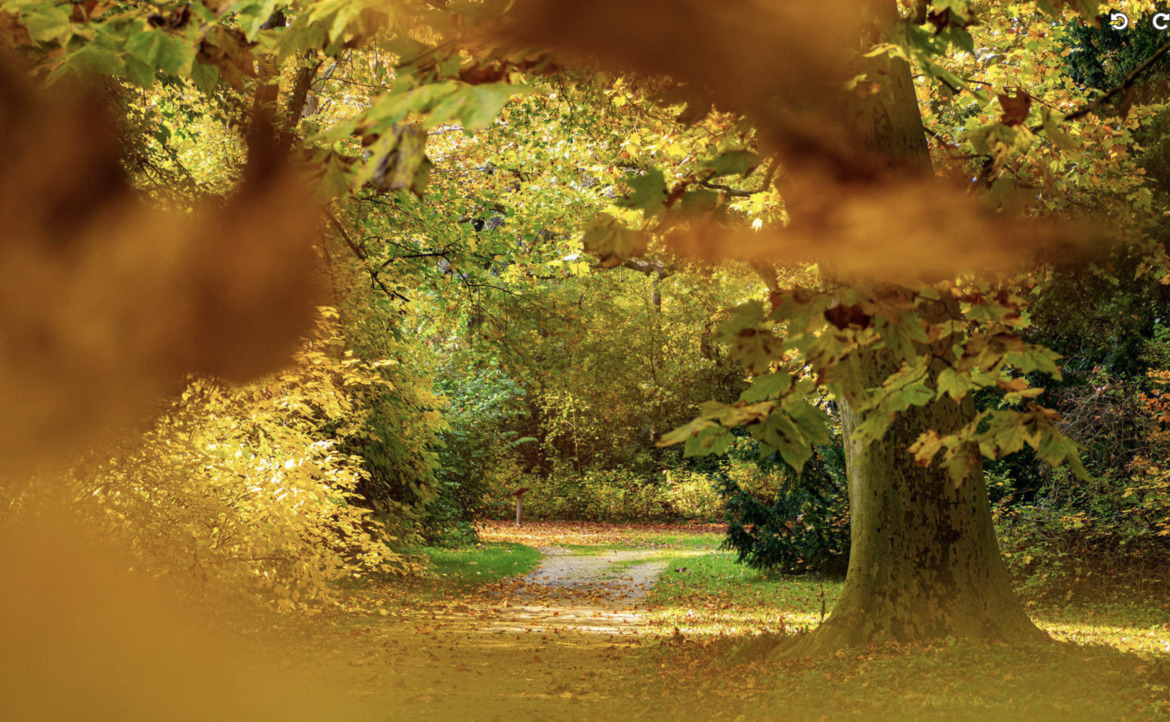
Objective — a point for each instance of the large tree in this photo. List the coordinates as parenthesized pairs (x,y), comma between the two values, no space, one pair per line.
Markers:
(924,562)
(901,356)
(899,342)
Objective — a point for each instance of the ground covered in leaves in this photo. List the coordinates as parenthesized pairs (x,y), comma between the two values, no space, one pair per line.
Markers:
(652,622)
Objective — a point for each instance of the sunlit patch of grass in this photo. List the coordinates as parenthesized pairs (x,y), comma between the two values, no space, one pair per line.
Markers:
(618,566)
(1140,624)
(1149,642)
(668,543)
(449,576)
(483,564)
(712,595)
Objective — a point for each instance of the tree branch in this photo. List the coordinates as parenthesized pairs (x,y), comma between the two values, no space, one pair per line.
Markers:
(365,258)
(656,267)
(300,92)
(733,192)
(1127,83)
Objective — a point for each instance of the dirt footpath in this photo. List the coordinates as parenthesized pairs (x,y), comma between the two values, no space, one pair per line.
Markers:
(564,642)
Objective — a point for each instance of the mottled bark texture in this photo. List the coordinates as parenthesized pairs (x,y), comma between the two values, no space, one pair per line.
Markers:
(924,562)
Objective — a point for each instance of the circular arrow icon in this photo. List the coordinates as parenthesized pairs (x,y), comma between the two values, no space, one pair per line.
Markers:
(1118,21)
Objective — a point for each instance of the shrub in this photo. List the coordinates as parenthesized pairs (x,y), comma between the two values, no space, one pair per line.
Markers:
(777,519)
(693,496)
(620,495)
(249,484)
(476,459)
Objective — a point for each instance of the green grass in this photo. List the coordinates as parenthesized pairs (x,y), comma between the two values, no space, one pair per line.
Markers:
(1140,625)
(711,594)
(448,576)
(483,564)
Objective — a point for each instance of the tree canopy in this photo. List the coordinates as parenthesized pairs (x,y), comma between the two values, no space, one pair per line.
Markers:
(534,238)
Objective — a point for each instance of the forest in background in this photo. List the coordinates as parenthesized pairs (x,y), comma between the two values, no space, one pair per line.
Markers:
(501,305)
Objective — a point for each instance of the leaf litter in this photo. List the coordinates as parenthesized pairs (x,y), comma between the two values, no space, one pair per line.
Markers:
(592,636)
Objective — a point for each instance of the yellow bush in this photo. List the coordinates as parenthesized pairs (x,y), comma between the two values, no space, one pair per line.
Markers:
(248,483)
(693,496)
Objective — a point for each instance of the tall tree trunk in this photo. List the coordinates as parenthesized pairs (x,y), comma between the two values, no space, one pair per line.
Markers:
(924,562)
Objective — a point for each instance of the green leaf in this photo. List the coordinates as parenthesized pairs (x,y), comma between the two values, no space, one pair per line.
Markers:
(683,433)
(733,162)
(961,461)
(252,19)
(756,349)
(94,58)
(1035,358)
(779,433)
(1051,121)
(205,77)
(160,49)
(953,384)
(905,388)
(711,410)
(138,72)
(959,37)
(485,103)
(1056,448)
(768,386)
(701,437)
(1008,438)
(612,242)
(738,414)
(985,350)
(744,316)
(813,422)
(48,22)
(649,192)
(712,440)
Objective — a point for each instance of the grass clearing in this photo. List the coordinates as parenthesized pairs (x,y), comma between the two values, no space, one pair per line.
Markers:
(1140,626)
(482,564)
(713,595)
(718,606)
(449,573)
(668,542)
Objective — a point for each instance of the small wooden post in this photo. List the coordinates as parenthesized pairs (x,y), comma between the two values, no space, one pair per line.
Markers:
(519,494)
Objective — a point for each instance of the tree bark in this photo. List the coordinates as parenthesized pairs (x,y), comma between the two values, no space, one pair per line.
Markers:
(924,563)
